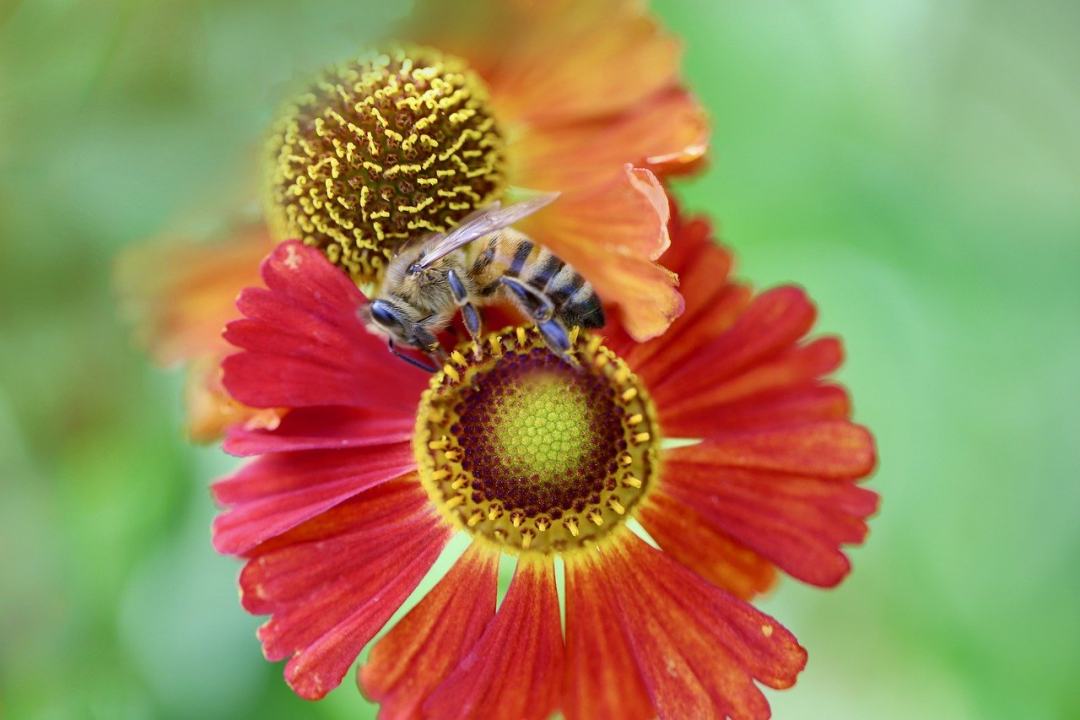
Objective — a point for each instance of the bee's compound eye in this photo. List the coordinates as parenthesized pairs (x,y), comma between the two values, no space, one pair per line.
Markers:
(383,314)
(414,269)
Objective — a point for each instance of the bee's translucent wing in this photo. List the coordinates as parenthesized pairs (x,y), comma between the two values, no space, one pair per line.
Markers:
(484,222)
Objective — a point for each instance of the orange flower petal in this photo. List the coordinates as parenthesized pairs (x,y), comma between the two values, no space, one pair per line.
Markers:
(410,662)
(612,235)
(699,649)
(684,535)
(601,678)
(583,58)
(555,60)
(210,408)
(669,133)
(182,293)
(514,670)
(713,303)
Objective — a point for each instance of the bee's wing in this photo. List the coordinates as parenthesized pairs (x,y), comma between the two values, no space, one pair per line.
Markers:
(481,223)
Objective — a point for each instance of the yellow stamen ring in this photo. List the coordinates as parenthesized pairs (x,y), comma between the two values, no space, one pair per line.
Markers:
(396,144)
(534,454)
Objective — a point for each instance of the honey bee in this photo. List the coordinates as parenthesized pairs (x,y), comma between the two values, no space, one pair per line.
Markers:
(427,282)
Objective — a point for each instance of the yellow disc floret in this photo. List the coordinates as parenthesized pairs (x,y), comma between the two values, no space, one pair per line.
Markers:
(541,429)
(393,145)
(530,452)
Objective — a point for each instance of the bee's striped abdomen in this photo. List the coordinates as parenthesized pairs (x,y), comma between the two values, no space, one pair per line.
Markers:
(546,271)
(514,255)
(583,308)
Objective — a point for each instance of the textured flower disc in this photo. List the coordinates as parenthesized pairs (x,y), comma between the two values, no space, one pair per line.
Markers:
(532,453)
(380,150)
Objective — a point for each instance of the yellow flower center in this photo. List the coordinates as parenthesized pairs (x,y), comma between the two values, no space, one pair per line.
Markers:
(393,145)
(531,453)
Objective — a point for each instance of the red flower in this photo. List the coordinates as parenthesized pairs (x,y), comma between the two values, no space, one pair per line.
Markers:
(355,494)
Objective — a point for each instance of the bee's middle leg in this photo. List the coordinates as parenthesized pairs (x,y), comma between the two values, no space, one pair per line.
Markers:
(469,312)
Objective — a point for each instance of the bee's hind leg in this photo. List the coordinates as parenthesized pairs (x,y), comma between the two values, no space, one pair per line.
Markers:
(555,336)
(540,307)
(542,311)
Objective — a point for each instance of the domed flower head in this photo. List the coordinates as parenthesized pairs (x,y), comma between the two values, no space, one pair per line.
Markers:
(472,102)
(375,465)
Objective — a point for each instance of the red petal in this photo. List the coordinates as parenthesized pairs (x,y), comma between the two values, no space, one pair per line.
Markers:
(277,492)
(410,662)
(514,670)
(321,428)
(799,523)
(775,320)
(211,410)
(685,535)
(836,449)
(698,648)
(712,303)
(794,367)
(601,678)
(791,406)
(332,583)
(305,345)
(732,361)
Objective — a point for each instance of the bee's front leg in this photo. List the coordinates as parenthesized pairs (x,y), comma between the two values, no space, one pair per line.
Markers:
(425,339)
(411,360)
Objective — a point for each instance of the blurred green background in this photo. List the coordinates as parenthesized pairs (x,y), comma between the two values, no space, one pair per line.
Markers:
(915,164)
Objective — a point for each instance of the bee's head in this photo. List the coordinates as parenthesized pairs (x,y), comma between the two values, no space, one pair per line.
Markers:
(383,318)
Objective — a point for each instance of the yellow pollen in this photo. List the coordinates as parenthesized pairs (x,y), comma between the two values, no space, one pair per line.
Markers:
(391,146)
(533,454)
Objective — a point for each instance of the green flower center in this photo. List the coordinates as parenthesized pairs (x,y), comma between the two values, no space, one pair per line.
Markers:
(540,427)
